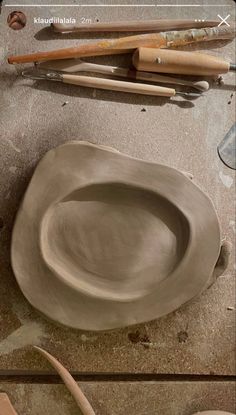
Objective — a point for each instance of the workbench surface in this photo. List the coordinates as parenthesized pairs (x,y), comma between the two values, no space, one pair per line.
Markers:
(199,338)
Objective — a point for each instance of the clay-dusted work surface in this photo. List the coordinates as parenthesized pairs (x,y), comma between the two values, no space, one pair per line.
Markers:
(119,398)
(111,241)
(199,337)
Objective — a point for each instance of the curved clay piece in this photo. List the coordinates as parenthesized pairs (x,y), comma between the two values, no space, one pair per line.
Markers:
(103,240)
(70,383)
(223,260)
(6,407)
(187,174)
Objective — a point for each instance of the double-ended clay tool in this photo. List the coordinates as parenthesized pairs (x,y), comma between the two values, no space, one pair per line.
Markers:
(179,62)
(77,65)
(133,26)
(130,43)
(108,84)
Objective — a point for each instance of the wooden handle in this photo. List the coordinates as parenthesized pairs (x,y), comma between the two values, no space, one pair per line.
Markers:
(128,44)
(76,392)
(114,85)
(132,26)
(178,62)
(6,407)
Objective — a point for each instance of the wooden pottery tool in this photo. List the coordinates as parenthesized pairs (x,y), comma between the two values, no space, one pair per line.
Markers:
(227,148)
(76,392)
(109,84)
(77,65)
(179,62)
(133,26)
(129,44)
(6,407)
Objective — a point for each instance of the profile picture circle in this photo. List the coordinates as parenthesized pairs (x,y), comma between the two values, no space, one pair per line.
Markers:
(16,20)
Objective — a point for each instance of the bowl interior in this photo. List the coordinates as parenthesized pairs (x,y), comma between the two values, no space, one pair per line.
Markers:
(114,240)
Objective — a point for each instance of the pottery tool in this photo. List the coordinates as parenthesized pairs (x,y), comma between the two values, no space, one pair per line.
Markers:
(77,65)
(109,84)
(76,392)
(130,43)
(179,62)
(133,26)
(227,148)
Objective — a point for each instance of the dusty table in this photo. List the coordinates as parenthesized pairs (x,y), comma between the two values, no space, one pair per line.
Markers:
(199,338)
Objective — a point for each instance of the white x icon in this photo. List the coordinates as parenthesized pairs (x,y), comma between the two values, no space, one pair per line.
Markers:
(223,20)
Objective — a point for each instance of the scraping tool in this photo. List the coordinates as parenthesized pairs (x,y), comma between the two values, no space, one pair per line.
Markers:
(77,65)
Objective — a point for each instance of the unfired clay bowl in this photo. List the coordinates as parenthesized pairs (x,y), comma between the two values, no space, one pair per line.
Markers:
(103,240)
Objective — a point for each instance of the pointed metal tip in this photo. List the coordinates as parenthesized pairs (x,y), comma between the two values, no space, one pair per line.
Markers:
(190,94)
(34,74)
(38,74)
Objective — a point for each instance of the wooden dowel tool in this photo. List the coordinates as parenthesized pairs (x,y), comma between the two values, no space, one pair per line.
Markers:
(179,62)
(133,26)
(130,43)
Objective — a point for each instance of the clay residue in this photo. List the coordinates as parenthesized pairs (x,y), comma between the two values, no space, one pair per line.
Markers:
(226,180)
(13,169)
(30,333)
(12,145)
(137,337)
(232,225)
(182,336)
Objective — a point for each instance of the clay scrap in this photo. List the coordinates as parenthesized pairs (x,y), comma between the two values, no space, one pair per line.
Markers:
(103,240)
(6,407)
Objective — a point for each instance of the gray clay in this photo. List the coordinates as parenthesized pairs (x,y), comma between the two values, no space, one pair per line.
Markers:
(103,240)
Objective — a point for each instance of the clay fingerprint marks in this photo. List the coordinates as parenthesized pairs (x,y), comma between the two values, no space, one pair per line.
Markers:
(76,392)
(6,407)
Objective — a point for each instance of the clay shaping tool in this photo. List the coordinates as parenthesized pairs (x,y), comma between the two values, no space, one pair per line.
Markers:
(130,43)
(132,26)
(77,65)
(70,383)
(6,407)
(109,84)
(227,148)
(179,62)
